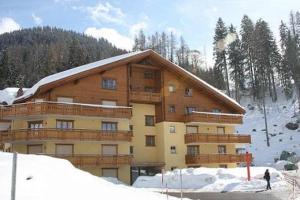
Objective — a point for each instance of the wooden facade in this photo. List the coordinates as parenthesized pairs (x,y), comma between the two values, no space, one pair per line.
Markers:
(64,135)
(215,158)
(216,138)
(97,160)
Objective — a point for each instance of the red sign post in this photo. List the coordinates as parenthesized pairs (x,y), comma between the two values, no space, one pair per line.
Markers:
(248,163)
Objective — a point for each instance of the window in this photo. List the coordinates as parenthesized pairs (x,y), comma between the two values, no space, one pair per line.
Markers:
(109,103)
(109,149)
(35,149)
(110,84)
(64,124)
(188,92)
(150,140)
(131,149)
(223,166)
(193,150)
(172,129)
(190,109)
(172,109)
(172,88)
(35,124)
(221,149)
(149,120)
(110,172)
(192,129)
(38,100)
(216,110)
(149,75)
(173,149)
(65,99)
(149,89)
(220,130)
(109,126)
(64,149)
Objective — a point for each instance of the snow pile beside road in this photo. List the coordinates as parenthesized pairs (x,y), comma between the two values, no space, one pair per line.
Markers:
(214,179)
(279,165)
(47,178)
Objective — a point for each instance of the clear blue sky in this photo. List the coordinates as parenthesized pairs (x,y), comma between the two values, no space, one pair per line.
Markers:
(119,20)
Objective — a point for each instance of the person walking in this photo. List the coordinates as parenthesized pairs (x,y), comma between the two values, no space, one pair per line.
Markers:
(267,177)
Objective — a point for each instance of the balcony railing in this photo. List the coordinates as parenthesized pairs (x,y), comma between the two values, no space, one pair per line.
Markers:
(216,138)
(209,117)
(145,97)
(97,160)
(42,108)
(215,158)
(64,134)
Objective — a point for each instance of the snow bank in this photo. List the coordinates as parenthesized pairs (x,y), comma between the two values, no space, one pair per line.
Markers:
(214,179)
(47,178)
(279,165)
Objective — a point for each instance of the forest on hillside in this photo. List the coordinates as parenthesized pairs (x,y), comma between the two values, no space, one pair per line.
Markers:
(30,54)
(250,61)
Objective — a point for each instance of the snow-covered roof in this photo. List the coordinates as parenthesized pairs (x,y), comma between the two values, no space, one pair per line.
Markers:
(77,70)
(61,75)
(8,94)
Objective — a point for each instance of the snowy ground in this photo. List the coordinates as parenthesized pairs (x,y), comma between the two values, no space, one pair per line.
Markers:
(281,138)
(214,180)
(47,178)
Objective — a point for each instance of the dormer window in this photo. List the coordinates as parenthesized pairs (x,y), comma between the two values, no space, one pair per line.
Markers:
(188,92)
(110,84)
(149,75)
(216,110)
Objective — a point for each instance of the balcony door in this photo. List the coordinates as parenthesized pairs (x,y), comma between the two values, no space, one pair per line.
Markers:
(110,172)
(109,103)
(193,150)
(65,99)
(109,150)
(220,130)
(191,129)
(35,149)
(64,149)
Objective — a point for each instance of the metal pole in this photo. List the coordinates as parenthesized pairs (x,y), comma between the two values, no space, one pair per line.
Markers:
(180,185)
(13,177)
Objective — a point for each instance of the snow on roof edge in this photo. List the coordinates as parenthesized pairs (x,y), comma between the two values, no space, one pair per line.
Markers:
(60,75)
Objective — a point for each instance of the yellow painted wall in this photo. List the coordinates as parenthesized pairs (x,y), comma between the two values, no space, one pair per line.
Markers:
(141,152)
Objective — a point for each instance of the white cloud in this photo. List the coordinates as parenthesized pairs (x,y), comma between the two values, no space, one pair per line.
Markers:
(173,30)
(8,25)
(104,13)
(113,36)
(37,20)
(135,28)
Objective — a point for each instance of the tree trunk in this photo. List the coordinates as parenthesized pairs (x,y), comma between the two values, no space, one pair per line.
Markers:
(226,74)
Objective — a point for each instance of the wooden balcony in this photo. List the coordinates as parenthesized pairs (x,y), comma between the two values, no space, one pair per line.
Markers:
(24,135)
(97,160)
(215,158)
(209,117)
(145,97)
(216,138)
(45,108)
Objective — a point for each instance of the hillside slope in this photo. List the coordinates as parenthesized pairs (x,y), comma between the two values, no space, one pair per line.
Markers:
(28,55)
(281,138)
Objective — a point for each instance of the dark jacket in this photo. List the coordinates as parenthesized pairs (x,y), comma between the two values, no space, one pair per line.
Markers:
(267,176)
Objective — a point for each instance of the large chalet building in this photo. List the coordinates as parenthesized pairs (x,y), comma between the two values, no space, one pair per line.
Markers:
(126,116)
